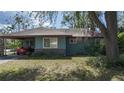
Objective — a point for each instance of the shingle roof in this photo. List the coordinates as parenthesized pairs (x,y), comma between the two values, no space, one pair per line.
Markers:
(53,32)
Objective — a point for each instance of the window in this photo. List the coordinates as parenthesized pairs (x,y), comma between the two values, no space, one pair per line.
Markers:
(75,40)
(50,42)
(46,42)
(72,40)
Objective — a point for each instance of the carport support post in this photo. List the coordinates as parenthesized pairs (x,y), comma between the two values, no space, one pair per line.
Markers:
(4,43)
(2,47)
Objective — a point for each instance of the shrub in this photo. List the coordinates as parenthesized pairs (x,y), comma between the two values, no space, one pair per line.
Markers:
(98,62)
(95,48)
(120,62)
(121,41)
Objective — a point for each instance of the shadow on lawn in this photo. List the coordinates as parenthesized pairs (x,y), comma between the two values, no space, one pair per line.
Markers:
(21,74)
(44,57)
(49,57)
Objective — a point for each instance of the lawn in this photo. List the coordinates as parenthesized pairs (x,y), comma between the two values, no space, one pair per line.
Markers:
(60,69)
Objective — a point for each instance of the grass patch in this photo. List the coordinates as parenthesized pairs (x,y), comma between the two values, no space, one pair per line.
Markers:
(55,68)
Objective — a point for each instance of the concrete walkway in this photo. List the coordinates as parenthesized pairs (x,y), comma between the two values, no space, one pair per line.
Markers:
(4,59)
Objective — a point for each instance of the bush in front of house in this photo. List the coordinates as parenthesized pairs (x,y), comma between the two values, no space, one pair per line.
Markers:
(94,49)
(121,42)
(120,61)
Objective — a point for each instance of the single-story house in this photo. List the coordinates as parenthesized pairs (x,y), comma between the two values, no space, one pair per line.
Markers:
(55,41)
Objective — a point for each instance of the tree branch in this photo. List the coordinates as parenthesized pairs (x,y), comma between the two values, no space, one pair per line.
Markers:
(111,18)
(94,17)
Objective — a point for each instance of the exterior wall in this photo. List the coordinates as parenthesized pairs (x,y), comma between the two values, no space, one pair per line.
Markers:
(62,42)
(60,50)
(80,47)
(73,49)
(38,43)
(64,46)
(51,51)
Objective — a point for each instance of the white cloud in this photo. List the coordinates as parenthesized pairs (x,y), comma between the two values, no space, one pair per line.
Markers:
(46,24)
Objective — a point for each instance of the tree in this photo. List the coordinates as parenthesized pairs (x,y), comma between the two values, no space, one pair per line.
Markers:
(22,21)
(18,21)
(44,17)
(73,19)
(77,19)
(109,32)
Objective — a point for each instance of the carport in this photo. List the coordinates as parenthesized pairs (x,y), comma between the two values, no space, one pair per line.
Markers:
(25,41)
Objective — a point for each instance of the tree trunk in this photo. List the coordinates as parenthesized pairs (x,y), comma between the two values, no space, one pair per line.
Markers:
(112,51)
(109,32)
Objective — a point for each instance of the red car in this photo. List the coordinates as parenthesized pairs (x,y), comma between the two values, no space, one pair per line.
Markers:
(21,51)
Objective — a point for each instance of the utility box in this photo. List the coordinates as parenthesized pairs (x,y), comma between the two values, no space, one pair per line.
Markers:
(1,47)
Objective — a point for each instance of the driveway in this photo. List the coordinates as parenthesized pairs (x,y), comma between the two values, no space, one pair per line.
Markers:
(4,59)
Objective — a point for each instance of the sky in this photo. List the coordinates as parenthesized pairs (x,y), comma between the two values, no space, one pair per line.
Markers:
(4,16)
(8,15)
(58,21)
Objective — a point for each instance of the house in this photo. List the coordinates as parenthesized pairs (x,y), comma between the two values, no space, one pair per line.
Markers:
(55,41)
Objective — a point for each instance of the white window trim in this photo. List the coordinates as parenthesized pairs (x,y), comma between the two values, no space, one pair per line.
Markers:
(50,38)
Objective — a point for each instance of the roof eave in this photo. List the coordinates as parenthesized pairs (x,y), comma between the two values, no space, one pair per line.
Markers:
(28,36)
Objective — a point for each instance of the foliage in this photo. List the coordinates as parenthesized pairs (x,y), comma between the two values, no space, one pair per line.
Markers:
(120,61)
(102,62)
(8,29)
(98,62)
(44,16)
(13,44)
(95,48)
(22,20)
(77,19)
(121,41)
(120,20)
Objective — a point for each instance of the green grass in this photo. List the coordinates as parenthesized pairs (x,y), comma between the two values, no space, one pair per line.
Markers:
(60,68)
